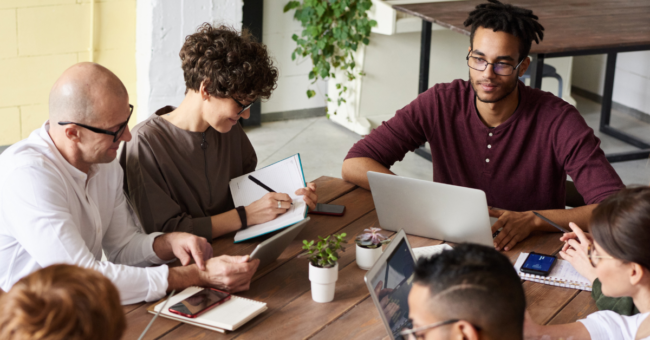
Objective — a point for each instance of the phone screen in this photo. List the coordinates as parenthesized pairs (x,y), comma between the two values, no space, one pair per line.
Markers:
(198,302)
(330,208)
(539,262)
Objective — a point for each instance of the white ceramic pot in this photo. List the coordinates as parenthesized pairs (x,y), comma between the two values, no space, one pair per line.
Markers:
(366,257)
(323,282)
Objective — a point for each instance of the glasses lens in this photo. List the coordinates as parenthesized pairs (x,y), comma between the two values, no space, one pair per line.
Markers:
(503,69)
(477,63)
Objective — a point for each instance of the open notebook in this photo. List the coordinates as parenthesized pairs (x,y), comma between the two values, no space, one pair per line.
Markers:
(285,176)
(562,275)
(228,316)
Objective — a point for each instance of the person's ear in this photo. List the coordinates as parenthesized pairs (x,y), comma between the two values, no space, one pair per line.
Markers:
(464,330)
(72,133)
(469,49)
(523,67)
(203,89)
(637,273)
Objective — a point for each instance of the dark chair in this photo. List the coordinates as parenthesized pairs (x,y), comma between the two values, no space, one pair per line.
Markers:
(573,197)
(549,71)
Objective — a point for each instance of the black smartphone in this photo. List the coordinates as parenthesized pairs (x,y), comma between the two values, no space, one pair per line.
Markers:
(200,302)
(538,264)
(328,209)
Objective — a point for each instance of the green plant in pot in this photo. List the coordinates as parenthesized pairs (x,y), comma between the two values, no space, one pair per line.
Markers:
(332,32)
(323,265)
(369,247)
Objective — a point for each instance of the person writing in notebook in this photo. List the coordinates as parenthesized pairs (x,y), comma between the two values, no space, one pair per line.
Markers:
(619,255)
(61,201)
(496,134)
(471,292)
(181,159)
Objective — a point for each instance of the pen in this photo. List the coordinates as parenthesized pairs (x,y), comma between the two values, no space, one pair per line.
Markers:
(552,223)
(260,183)
(257,181)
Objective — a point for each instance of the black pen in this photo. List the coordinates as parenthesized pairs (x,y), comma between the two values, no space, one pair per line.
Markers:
(551,223)
(260,183)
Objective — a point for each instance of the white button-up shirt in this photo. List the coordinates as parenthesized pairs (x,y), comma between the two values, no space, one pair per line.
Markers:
(51,212)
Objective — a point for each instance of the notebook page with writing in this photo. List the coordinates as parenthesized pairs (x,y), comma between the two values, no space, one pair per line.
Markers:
(285,176)
(229,316)
(562,275)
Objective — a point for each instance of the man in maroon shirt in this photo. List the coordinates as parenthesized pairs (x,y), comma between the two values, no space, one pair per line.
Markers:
(495,134)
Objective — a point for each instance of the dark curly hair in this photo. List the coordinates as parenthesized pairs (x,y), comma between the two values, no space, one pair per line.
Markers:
(520,22)
(233,65)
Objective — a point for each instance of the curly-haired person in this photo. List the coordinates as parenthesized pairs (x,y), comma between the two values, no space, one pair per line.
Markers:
(62,302)
(179,163)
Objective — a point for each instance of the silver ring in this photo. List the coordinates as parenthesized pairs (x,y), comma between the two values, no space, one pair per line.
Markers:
(279,204)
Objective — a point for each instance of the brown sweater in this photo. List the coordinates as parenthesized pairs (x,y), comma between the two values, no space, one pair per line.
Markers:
(177,179)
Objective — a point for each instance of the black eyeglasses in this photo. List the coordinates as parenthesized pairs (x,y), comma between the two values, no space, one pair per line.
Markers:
(480,64)
(244,108)
(116,135)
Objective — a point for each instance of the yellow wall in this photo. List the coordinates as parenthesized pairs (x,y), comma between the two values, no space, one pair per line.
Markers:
(39,39)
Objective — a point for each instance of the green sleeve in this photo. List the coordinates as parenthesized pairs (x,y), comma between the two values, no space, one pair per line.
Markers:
(623,306)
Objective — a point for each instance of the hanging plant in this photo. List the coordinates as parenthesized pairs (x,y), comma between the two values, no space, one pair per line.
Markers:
(333,30)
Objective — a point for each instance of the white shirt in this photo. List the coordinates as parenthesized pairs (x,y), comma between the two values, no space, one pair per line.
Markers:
(606,325)
(51,212)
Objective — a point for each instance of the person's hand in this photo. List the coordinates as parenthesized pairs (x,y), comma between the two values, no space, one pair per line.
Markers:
(183,246)
(309,194)
(230,273)
(576,249)
(267,208)
(516,227)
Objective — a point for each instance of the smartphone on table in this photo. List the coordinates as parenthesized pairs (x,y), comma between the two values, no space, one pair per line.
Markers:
(200,302)
(538,264)
(328,209)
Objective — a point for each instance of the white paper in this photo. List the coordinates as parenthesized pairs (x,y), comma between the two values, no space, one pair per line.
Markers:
(562,275)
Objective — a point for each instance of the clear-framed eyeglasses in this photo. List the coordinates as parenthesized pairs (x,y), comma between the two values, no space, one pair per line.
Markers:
(412,333)
(593,258)
(480,64)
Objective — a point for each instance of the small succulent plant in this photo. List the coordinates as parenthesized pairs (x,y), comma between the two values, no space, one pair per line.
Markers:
(371,238)
(324,254)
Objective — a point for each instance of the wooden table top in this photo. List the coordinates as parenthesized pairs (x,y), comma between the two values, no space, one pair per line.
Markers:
(572,27)
(285,287)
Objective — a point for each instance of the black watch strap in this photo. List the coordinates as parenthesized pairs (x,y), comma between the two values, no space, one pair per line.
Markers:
(241,210)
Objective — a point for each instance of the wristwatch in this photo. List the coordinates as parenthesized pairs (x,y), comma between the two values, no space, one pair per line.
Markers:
(241,210)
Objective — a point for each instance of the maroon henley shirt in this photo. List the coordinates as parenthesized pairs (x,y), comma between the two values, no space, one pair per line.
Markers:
(521,164)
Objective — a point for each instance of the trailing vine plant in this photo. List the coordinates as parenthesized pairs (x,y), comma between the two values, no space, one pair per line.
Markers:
(333,30)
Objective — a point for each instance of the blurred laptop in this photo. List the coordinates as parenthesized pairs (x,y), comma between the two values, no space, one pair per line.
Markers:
(434,210)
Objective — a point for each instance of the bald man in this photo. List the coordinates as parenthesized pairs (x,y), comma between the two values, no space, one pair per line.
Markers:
(61,201)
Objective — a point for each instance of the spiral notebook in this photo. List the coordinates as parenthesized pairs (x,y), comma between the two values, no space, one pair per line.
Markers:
(285,176)
(562,275)
(228,316)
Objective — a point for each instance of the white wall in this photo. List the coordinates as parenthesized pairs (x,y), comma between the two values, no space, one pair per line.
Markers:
(293,83)
(162,26)
(631,82)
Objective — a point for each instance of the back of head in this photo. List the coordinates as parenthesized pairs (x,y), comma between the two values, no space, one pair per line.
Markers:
(62,302)
(620,224)
(476,284)
(232,64)
(520,22)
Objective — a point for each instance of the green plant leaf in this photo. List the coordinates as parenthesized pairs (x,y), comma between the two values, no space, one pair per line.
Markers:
(290,5)
(311,93)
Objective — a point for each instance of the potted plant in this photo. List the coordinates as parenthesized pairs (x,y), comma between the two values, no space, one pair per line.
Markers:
(369,247)
(323,265)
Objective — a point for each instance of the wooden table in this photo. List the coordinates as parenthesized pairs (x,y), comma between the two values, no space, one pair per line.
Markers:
(284,285)
(572,28)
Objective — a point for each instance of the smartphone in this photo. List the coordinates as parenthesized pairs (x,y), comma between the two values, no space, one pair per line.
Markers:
(200,302)
(328,209)
(538,264)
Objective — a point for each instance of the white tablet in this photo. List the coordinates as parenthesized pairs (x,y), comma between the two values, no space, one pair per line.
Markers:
(269,250)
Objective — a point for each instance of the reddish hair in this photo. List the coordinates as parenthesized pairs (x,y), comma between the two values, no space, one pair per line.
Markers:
(62,302)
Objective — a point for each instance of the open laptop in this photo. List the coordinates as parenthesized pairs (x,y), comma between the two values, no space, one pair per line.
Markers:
(389,282)
(429,209)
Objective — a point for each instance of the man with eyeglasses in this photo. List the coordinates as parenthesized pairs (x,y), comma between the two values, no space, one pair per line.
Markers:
(471,292)
(496,134)
(61,201)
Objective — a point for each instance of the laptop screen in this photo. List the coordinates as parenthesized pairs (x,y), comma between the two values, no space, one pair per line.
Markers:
(392,285)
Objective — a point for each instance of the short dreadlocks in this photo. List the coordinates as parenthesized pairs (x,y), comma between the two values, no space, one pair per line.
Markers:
(520,22)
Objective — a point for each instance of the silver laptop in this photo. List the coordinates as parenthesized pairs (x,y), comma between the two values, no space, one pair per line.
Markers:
(429,209)
(389,282)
